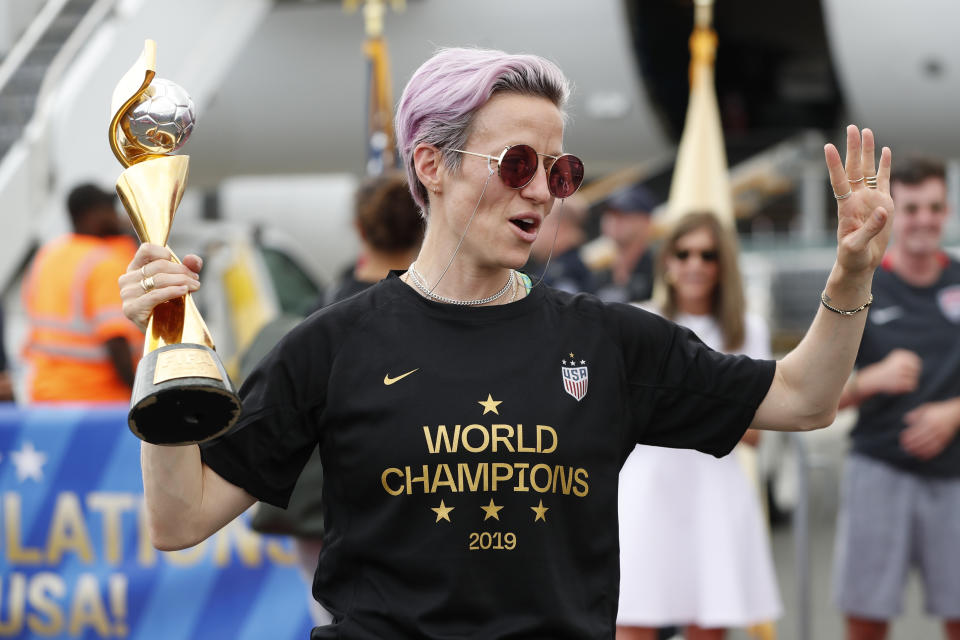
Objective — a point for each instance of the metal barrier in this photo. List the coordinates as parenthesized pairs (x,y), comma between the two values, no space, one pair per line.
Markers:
(801,536)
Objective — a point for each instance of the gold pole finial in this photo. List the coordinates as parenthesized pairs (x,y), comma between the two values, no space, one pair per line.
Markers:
(703,13)
(703,40)
(700,177)
(373,13)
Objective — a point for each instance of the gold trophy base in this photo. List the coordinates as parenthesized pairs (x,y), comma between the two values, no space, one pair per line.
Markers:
(182,395)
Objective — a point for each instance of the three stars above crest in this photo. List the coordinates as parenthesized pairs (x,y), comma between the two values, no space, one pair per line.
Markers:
(573,361)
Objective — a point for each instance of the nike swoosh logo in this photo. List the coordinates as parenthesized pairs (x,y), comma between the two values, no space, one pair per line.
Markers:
(387,380)
(888,314)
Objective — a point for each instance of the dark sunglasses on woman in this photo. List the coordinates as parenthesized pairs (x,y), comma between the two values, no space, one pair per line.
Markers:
(517,165)
(709,255)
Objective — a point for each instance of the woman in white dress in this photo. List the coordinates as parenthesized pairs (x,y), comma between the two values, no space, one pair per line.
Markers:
(694,551)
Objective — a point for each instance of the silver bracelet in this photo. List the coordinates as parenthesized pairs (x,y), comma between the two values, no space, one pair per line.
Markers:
(844,312)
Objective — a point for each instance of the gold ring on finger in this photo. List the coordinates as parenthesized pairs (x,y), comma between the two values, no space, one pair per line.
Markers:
(855,181)
(148,284)
(143,273)
(843,196)
(871,182)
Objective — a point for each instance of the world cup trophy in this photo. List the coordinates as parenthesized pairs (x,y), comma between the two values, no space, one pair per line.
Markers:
(181,393)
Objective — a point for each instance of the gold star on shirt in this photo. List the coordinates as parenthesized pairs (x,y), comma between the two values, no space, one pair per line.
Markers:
(443,512)
(491,510)
(489,405)
(571,356)
(541,512)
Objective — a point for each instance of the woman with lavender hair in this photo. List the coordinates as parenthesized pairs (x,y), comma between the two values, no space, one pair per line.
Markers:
(472,426)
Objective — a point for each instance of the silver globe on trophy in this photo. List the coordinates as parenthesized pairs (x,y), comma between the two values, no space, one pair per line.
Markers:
(181,393)
(163,118)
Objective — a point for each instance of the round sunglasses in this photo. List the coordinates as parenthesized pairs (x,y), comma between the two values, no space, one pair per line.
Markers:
(517,166)
(707,255)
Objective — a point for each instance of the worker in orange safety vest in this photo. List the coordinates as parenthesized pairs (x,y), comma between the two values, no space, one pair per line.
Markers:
(80,346)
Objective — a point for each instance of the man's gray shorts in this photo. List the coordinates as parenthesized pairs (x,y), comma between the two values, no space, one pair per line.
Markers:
(891,520)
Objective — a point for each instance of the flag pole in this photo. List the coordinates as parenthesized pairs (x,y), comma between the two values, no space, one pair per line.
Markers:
(701,180)
(380,140)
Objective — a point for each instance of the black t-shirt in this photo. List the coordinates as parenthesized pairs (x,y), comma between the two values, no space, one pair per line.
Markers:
(925,320)
(472,454)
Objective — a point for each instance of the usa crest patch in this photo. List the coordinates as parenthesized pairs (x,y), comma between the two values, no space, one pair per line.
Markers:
(575,377)
(949,300)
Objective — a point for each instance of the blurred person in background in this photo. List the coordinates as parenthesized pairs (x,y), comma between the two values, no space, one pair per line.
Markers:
(489,531)
(390,229)
(80,347)
(6,381)
(558,243)
(694,550)
(626,222)
(900,505)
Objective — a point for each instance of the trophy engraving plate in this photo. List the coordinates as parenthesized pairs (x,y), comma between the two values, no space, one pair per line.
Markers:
(185,363)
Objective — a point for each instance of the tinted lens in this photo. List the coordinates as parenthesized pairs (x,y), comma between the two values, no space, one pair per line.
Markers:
(518,166)
(710,255)
(566,175)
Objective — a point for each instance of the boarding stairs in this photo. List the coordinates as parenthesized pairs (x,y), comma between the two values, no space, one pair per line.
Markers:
(23,69)
(56,79)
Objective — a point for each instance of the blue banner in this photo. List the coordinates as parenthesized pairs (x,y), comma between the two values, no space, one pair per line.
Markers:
(76,559)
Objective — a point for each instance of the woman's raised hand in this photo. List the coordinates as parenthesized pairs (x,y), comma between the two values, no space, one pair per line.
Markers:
(153,278)
(864,205)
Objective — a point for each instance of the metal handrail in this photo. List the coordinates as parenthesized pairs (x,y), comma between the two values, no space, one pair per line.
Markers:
(34,130)
(31,36)
(97,12)
(801,536)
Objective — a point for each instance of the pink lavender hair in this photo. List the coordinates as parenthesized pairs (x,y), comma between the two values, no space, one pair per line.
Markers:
(442,96)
